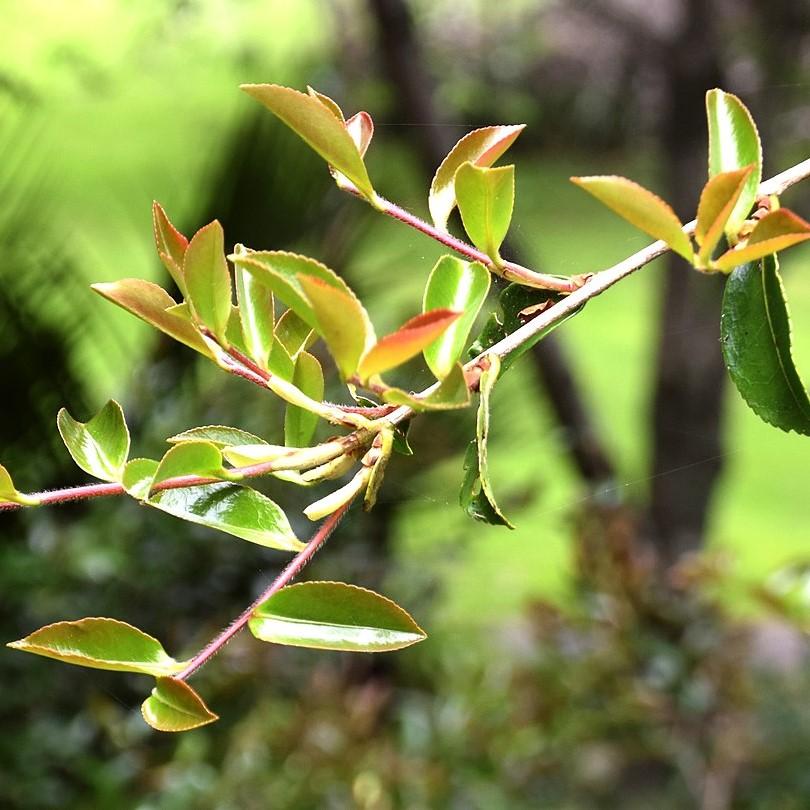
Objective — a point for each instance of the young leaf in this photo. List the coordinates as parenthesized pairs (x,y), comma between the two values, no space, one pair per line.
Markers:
(171,245)
(138,476)
(207,278)
(100,644)
(101,446)
(410,339)
(10,494)
(340,497)
(175,706)
(486,198)
(452,393)
(294,334)
(460,286)
(776,231)
(191,458)
(755,337)
(717,201)
(383,447)
(232,509)
(361,129)
(334,616)
(151,303)
(256,314)
(477,497)
(279,362)
(640,207)
(481,147)
(316,123)
(327,102)
(341,320)
(734,144)
(219,435)
(300,424)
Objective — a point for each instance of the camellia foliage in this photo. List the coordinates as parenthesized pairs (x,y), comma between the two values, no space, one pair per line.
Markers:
(257,315)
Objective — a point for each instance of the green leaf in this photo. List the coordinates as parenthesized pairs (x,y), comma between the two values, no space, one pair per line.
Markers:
(342,322)
(10,494)
(138,476)
(408,341)
(279,362)
(151,303)
(220,435)
(451,393)
(717,201)
(334,616)
(294,333)
(256,314)
(300,424)
(175,706)
(460,286)
(327,102)
(485,199)
(100,644)
(101,446)
(171,245)
(755,337)
(776,231)
(315,122)
(640,207)
(233,509)
(477,497)
(208,280)
(481,147)
(198,458)
(734,144)
(361,129)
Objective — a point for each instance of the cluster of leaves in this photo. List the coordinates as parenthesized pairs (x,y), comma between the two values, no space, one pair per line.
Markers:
(260,317)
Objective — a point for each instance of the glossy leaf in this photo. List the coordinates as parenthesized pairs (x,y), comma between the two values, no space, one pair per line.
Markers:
(755,337)
(776,231)
(232,509)
(451,393)
(151,303)
(300,424)
(717,201)
(208,281)
(477,497)
(279,362)
(198,458)
(481,147)
(171,245)
(640,207)
(408,341)
(294,333)
(460,286)
(138,476)
(361,129)
(10,494)
(316,123)
(342,322)
(334,616)
(256,314)
(100,644)
(101,446)
(219,435)
(485,199)
(734,144)
(175,706)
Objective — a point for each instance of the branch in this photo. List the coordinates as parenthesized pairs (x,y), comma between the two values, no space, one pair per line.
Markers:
(292,570)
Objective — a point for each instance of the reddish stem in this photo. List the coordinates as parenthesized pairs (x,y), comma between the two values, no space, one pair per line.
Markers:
(292,570)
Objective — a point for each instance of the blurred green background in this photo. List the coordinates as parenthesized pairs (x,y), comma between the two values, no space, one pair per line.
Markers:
(638,638)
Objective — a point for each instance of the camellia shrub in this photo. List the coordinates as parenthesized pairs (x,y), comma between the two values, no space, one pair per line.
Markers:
(257,314)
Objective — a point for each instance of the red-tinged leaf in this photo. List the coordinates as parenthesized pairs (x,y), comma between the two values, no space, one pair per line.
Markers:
(171,245)
(299,423)
(640,207)
(175,706)
(207,279)
(774,232)
(150,303)
(481,147)
(413,336)
(317,124)
(10,494)
(361,128)
(341,320)
(717,201)
(327,102)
